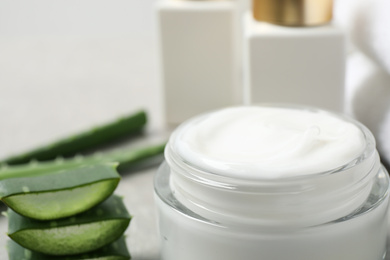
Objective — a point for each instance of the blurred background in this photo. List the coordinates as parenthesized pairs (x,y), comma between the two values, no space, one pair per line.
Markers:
(67,65)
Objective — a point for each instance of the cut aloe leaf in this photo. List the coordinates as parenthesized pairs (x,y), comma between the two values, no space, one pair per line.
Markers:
(117,250)
(78,234)
(125,158)
(60,194)
(100,135)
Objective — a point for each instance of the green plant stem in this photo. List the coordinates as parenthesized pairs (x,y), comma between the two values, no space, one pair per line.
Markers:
(78,143)
(85,232)
(125,158)
(116,250)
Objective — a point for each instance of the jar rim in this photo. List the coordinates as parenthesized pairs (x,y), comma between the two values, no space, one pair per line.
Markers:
(307,199)
(172,155)
(164,193)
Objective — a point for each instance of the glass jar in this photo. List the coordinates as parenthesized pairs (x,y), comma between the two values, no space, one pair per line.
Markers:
(340,214)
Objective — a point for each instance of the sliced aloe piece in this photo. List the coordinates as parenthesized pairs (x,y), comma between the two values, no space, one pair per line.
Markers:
(60,194)
(79,234)
(80,142)
(117,250)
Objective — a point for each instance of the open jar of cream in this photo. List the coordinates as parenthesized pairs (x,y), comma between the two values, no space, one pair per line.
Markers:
(272,183)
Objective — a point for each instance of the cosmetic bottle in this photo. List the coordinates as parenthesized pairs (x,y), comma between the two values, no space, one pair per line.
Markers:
(199,52)
(293,54)
(313,190)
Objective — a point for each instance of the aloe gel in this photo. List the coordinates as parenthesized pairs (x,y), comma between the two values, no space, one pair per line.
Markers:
(117,250)
(78,234)
(60,194)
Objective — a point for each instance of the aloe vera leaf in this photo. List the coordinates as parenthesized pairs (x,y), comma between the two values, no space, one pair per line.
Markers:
(70,146)
(117,250)
(74,235)
(125,158)
(60,194)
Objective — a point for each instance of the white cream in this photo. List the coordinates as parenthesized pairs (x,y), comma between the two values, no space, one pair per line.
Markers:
(269,142)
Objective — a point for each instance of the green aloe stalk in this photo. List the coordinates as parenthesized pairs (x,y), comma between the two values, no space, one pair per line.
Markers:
(26,202)
(97,136)
(117,250)
(125,158)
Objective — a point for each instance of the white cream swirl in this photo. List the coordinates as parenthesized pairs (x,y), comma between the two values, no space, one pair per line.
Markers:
(269,142)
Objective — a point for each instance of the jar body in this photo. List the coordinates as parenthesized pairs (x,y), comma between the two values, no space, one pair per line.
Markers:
(360,235)
(259,207)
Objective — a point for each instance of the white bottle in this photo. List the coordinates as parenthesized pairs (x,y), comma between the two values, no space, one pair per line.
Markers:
(198,43)
(293,54)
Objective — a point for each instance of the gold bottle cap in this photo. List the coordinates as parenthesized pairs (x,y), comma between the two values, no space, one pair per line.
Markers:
(293,12)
